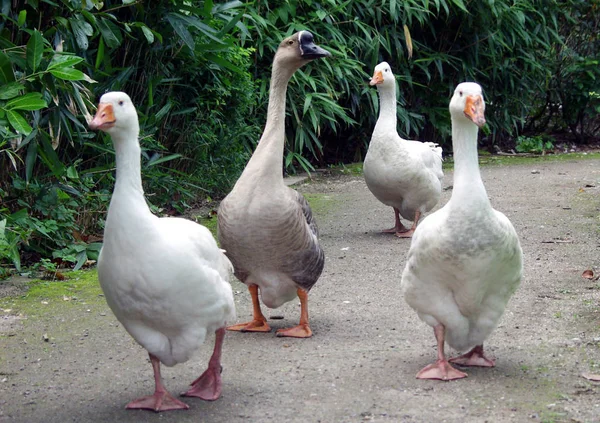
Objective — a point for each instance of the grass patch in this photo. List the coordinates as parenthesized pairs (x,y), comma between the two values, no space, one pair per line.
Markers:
(80,287)
(320,204)
(210,223)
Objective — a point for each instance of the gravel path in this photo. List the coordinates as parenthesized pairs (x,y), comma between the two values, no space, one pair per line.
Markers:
(368,345)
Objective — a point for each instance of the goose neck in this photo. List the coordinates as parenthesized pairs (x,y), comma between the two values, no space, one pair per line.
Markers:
(387,109)
(268,156)
(468,186)
(128,195)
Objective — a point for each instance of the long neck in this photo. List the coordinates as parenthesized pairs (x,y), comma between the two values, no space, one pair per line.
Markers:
(128,195)
(387,120)
(468,186)
(267,160)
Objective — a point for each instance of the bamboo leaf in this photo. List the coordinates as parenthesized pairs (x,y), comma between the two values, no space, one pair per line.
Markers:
(148,34)
(64,61)
(110,33)
(18,122)
(30,101)
(30,160)
(68,74)
(164,159)
(10,90)
(6,69)
(35,50)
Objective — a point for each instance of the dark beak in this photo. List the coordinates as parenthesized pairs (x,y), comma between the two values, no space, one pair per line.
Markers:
(309,50)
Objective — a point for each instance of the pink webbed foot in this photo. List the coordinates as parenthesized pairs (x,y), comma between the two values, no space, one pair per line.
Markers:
(300,331)
(160,401)
(405,234)
(441,370)
(475,358)
(207,386)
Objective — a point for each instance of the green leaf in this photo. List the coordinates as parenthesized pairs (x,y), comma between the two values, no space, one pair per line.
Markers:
(18,122)
(30,160)
(10,90)
(163,159)
(110,33)
(82,30)
(222,62)
(35,50)
(180,28)
(6,70)
(22,18)
(30,101)
(64,61)
(68,74)
(148,34)
(81,259)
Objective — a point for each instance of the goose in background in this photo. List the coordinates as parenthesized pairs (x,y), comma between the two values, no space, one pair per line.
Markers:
(266,228)
(465,260)
(165,279)
(406,175)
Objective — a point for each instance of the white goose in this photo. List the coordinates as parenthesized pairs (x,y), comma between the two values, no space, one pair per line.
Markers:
(465,260)
(165,279)
(267,228)
(406,175)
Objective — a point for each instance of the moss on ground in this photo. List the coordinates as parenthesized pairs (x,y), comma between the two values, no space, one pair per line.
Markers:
(43,296)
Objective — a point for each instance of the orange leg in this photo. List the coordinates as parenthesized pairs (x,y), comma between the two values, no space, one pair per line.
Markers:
(475,357)
(208,385)
(398,226)
(162,400)
(408,233)
(441,369)
(303,329)
(258,323)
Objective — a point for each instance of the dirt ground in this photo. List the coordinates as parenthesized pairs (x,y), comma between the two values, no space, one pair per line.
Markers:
(368,344)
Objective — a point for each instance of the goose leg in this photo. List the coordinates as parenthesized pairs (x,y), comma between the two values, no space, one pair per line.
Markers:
(475,357)
(259,322)
(408,233)
(208,385)
(398,227)
(161,400)
(441,369)
(303,329)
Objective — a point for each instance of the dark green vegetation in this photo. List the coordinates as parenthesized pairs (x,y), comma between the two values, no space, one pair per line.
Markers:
(198,72)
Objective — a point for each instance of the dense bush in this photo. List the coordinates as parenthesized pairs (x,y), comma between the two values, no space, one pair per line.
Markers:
(181,66)
(509,47)
(199,72)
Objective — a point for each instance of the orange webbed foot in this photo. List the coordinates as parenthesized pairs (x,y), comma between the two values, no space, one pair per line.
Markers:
(300,331)
(253,326)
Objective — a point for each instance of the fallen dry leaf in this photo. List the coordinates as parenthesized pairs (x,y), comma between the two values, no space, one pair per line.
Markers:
(588,274)
(590,376)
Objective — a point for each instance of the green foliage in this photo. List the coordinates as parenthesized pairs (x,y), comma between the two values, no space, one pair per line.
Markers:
(199,72)
(508,47)
(536,144)
(179,62)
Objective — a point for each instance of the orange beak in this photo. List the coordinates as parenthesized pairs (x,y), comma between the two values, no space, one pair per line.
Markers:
(377,78)
(474,109)
(104,119)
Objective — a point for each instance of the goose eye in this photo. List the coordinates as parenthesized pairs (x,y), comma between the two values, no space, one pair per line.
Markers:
(121,103)
(460,93)
(290,42)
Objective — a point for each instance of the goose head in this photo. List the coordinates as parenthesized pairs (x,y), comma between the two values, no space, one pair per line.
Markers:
(467,103)
(116,113)
(299,49)
(383,76)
